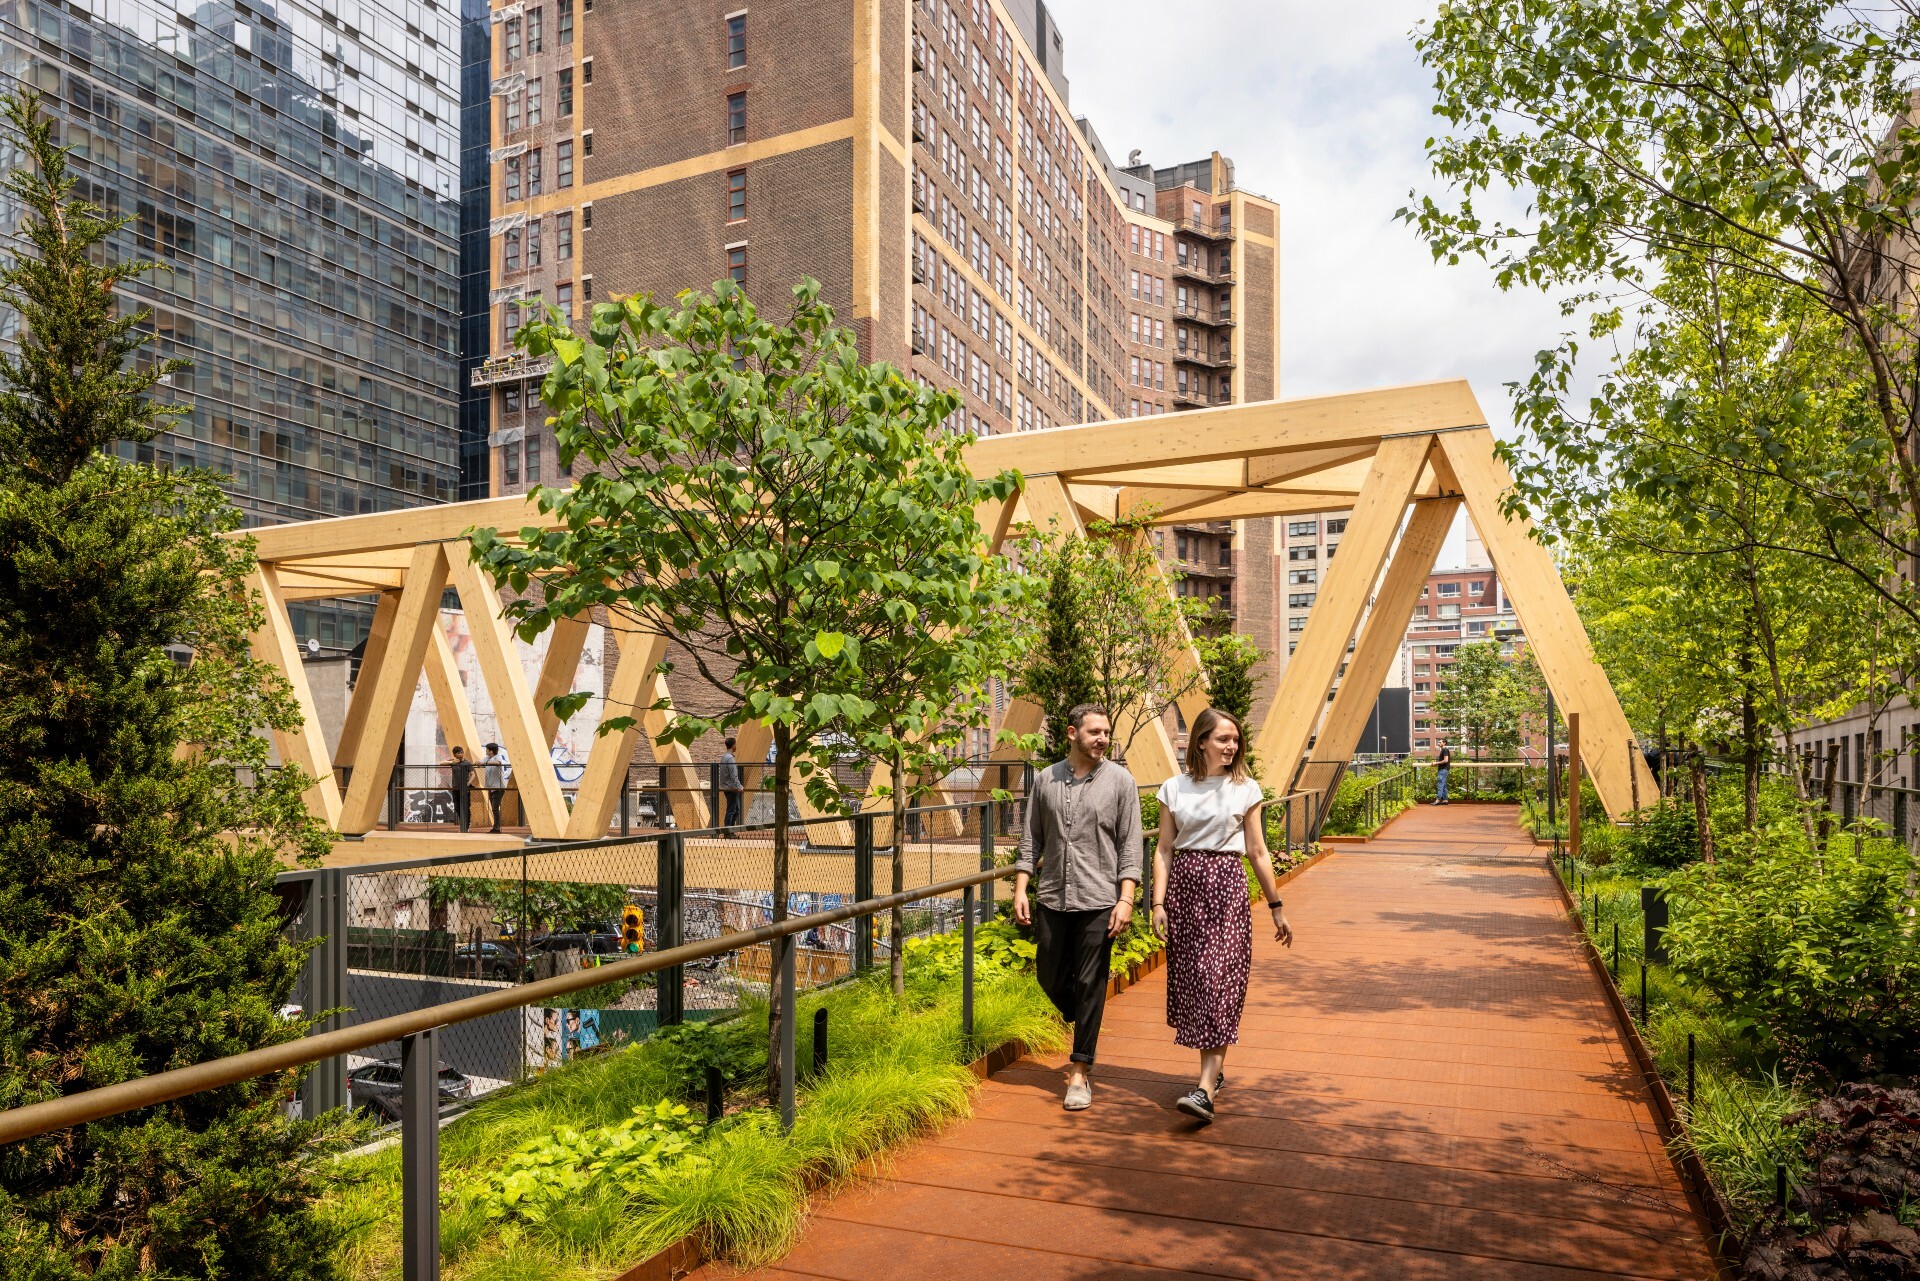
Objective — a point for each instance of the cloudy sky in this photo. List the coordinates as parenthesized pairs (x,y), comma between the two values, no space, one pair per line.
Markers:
(1325,108)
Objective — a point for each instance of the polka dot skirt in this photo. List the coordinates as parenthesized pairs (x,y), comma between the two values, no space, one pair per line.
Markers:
(1209,948)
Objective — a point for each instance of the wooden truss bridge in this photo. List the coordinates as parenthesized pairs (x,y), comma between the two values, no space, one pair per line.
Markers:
(1402,459)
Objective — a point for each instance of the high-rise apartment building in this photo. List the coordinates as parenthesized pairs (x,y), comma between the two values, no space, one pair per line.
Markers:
(295,166)
(920,159)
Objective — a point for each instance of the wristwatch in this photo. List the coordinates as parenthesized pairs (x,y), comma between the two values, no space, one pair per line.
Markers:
(1276,905)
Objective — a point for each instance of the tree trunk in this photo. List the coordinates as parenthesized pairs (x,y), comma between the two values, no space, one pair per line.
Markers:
(1750,747)
(782,794)
(899,923)
(1702,816)
(1826,799)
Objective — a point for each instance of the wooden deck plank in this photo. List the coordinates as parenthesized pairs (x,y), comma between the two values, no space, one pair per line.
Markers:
(1428,1084)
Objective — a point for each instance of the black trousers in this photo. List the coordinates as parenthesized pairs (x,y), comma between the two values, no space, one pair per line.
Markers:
(463,807)
(1073,962)
(733,800)
(497,798)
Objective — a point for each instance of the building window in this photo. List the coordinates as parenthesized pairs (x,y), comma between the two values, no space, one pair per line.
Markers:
(1303,553)
(736,195)
(564,164)
(1449,589)
(563,299)
(586,142)
(1300,600)
(737,40)
(513,179)
(510,400)
(533,242)
(1302,528)
(1478,587)
(533,461)
(1226,551)
(534,44)
(513,40)
(533,103)
(586,217)
(566,91)
(566,22)
(1298,623)
(736,118)
(533,172)
(1296,577)
(512,116)
(737,264)
(510,455)
(1338,525)
(586,71)
(563,237)
(510,254)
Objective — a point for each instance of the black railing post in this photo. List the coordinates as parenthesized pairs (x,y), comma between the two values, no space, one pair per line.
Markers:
(420,1156)
(396,793)
(665,810)
(626,802)
(1900,816)
(862,891)
(787,1018)
(670,996)
(966,967)
(986,845)
(820,1041)
(714,812)
(325,1086)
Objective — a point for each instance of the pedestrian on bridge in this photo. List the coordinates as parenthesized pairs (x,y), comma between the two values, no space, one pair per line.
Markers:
(1210,821)
(1080,844)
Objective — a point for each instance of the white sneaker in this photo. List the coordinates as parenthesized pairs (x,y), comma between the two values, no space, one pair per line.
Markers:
(1080,1096)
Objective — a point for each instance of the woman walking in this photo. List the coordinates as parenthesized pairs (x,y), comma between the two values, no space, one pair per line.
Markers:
(1209,821)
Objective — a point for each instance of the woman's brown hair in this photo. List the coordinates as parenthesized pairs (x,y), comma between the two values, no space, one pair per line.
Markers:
(1203,727)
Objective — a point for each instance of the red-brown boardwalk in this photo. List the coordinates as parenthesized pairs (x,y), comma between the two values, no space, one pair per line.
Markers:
(1429,1084)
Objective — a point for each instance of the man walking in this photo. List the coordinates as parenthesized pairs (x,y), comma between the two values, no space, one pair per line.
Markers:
(1081,842)
(731,787)
(1443,763)
(460,776)
(497,773)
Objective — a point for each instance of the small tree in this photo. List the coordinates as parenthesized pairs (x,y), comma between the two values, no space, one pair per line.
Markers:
(1059,671)
(751,489)
(1482,700)
(1131,630)
(925,641)
(139,818)
(1228,658)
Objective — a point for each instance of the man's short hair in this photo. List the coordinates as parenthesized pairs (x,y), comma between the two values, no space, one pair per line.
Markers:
(493,747)
(1080,711)
(730,740)
(459,751)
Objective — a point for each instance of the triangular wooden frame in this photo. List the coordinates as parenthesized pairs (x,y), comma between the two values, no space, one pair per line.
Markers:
(1380,453)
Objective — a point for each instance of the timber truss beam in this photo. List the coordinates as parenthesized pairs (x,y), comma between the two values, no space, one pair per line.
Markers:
(1403,460)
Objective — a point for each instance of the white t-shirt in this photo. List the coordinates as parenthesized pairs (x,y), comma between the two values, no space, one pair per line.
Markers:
(1209,815)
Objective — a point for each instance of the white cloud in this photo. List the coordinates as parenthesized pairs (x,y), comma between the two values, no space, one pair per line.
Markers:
(1325,108)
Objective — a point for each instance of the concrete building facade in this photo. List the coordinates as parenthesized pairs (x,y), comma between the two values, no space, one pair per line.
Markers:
(917,157)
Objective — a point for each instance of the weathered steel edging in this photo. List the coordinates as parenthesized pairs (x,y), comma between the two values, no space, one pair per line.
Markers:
(1686,1162)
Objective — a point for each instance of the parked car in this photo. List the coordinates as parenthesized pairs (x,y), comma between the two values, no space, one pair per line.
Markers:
(596,944)
(492,961)
(375,1088)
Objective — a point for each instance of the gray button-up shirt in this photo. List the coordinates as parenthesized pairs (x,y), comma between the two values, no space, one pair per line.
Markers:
(1083,834)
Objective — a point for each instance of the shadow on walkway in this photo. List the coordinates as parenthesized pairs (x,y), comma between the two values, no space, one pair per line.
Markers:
(1428,1085)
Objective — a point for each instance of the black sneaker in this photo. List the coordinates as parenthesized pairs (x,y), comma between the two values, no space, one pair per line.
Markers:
(1197,1105)
(1219,1082)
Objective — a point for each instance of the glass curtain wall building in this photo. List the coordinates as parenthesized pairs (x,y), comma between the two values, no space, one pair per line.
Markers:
(296,168)
(476,265)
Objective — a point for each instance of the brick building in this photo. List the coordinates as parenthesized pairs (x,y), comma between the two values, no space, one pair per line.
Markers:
(920,159)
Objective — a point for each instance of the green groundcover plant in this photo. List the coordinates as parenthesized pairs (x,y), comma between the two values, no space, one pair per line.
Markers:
(597,1164)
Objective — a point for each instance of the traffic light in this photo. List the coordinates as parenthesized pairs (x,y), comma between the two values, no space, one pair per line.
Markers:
(632,929)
